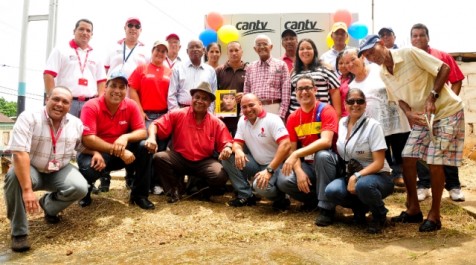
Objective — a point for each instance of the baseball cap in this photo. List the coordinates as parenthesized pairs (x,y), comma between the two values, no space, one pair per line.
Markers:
(368,43)
(116,75)
(288,32)
(133,19)
(172,35)
(385,29)
(339,25)
(205,87)
(159,43)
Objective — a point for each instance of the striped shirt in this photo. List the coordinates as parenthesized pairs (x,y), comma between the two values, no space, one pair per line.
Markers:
(325,81)
(32,134)
(269,80)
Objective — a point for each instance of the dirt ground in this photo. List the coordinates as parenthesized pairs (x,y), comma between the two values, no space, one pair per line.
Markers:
(111,231)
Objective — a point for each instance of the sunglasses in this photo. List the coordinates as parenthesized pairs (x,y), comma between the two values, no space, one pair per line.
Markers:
(130,25)
(359,101)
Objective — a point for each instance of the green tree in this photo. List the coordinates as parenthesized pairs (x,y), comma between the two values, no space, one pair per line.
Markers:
(8,108)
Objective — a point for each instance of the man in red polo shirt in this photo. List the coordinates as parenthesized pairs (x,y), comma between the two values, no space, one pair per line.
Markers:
(196,135)
(113,125)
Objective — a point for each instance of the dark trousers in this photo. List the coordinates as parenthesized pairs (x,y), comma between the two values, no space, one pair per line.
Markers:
(451,176)
(141,165)
(173,167)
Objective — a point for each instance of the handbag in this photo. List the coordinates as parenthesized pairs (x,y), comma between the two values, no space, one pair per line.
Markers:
(352,167)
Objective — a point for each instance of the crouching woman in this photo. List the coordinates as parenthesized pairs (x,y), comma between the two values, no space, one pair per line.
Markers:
(367,181)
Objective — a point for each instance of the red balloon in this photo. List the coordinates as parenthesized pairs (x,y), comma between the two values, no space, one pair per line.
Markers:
(343,15)
(214,20)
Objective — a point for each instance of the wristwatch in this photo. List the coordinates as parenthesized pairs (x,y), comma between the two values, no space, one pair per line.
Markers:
(270,170)
(357,174)
(435,94)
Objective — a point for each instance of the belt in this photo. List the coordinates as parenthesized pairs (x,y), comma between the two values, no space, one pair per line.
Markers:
(270,101)
(183,105)
(82,98)
(155,111)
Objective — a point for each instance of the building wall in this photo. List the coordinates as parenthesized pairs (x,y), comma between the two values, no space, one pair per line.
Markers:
(468,94)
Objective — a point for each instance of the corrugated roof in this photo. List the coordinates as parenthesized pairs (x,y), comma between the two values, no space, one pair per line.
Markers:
(5,119)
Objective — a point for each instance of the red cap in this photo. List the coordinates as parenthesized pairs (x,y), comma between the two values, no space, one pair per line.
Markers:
(172,35)
(133,19)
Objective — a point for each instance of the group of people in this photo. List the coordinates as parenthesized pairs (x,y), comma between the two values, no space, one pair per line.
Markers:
(339,129)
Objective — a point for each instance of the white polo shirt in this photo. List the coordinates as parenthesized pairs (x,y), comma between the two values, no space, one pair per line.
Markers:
(263,137)
(115,60)
(64,64)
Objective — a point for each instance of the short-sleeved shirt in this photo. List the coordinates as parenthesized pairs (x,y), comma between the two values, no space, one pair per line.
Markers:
(125,59)
(32,134)
(269,80)
(389,114)
(369,138)
(413,79)
(455,72)
(289,62)
(193,141)
(99,121)
(152,84)
(304,129)
(262,138)
(64,64)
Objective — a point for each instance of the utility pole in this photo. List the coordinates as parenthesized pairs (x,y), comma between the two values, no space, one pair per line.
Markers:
(51,17)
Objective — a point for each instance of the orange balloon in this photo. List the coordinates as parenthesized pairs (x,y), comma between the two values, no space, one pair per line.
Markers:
(214,20)
(343,15)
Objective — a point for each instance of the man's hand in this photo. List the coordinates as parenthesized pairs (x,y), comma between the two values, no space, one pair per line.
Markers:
(240,159)
(289,164)
(128,157)
(119,146)
(430,106)
(262,179)
(225,153)
(303,181)
(416,117)
(30,201)
(97,161)
(151,144)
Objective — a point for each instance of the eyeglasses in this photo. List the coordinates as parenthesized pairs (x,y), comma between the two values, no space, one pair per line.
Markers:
(359,101)
(302,88)
(130,25)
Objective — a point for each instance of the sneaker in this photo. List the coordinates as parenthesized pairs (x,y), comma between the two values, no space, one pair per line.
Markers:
(240,202)
(325,218)
(281,205)
(157,190)
(20,243)
(457,195)
(423,193)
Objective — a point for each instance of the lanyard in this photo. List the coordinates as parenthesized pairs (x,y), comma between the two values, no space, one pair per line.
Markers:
(81,65)
(124,58)
(168,62)
(353,133)
(54,139)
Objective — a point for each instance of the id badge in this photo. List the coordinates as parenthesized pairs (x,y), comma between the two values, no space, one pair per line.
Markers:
(83,82)
(53,165)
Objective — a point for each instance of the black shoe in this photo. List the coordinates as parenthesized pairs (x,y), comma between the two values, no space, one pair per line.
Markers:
(142,202)
(94,189)
(281,205)
(376,225)
(86,201)
(404,217)
(309,206)
(174,196)
(20,243)
(430,226)
(105,183)
(325,218)
(240,202)
(49,219)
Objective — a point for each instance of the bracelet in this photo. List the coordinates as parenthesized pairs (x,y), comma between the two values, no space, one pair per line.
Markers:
(358,175)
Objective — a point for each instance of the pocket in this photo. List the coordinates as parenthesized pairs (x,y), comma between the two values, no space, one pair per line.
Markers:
(446,137)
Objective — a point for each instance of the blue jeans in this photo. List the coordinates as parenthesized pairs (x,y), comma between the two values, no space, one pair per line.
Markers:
(370,191)
(239,179)
(451,176)
(67,186)
(321,173)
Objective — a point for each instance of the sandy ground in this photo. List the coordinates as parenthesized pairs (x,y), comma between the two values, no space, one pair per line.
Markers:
(111,231)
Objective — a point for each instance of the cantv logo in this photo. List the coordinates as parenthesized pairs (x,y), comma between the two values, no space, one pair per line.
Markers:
(256,27)
(253,27)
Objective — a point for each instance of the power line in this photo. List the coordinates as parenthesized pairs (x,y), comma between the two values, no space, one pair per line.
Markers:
(17,67)
(167,15)
(12,89)
(16,95)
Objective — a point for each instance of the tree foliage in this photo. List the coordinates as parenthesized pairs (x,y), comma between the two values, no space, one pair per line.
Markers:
(8,108)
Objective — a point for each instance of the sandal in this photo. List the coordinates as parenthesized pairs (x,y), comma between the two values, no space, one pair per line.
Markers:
(404,217)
